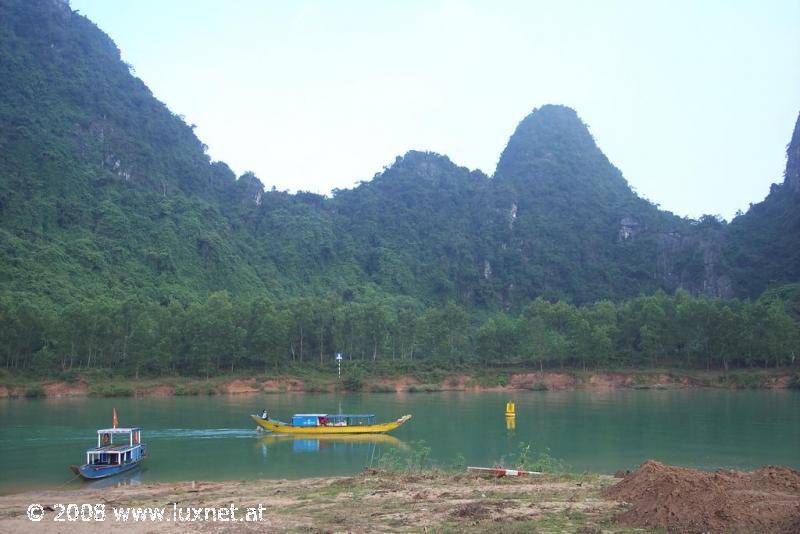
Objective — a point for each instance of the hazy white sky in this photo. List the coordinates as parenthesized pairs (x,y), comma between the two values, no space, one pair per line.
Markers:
(694,101)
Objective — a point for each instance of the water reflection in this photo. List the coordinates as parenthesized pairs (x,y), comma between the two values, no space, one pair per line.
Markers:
(304,444)
(132,478)
(511,422)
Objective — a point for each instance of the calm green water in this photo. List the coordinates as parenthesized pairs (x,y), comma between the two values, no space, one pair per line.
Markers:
(212,438)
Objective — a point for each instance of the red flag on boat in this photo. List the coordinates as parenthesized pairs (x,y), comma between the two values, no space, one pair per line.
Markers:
(115,421)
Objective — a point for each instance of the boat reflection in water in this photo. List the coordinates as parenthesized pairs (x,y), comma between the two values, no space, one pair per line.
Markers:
(340,442)
(133,478)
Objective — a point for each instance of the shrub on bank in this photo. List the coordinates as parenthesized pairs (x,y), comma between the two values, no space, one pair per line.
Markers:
(182,390)
(381,388)
(354,379)
(537,386)
(794,382)
(111,390)
(34,392)
(424,388)
(313,386)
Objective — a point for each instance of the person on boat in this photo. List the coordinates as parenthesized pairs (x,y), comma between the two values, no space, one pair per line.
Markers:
(265,414)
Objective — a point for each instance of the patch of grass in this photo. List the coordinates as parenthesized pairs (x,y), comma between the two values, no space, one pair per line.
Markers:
(414,460)
(543,462)
(564,521)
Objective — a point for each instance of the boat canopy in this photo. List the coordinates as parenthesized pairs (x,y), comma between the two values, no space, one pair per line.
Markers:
(333,415)
(321,419)
(105,436)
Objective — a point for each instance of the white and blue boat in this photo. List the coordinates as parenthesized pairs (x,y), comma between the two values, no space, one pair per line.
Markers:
(118,450)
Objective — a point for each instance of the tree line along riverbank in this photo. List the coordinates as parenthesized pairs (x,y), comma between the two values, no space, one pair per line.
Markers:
(392,335)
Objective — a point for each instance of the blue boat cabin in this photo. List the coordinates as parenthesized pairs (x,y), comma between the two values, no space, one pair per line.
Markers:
(322,419)
(125,449)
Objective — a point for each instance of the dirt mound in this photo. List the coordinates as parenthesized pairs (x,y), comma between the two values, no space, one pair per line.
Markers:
(689,500)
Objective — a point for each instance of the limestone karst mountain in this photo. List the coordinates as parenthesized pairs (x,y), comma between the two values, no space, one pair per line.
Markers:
(104,191)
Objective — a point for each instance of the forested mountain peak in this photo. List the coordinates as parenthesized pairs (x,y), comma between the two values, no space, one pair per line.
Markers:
(544,133)
(551,150)
(423,165)
(105,193)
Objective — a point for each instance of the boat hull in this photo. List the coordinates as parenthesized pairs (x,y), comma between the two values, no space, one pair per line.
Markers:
(283,428)
(94,472)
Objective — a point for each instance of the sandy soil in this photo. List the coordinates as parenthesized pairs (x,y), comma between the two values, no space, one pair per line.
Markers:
(654,498)
(11,391)
(367,503)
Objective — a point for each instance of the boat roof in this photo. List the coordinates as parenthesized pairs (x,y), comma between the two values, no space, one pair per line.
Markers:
(114,448)
(332,415)
(118,430)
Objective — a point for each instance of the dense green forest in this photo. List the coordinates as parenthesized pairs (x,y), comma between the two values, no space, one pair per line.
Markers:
(123,245)
(217,335)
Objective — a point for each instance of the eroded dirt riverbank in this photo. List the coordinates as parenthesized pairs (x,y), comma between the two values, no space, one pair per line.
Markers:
(499,382)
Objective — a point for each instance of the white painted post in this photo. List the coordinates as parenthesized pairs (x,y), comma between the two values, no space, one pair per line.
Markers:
(339,363)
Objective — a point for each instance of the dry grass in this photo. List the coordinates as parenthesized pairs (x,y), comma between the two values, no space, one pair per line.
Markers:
(371,502)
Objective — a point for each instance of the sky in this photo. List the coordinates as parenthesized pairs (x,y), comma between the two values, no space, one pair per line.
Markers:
(694,102)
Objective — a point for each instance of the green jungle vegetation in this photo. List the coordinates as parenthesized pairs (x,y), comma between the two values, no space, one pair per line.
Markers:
(218,335)
(123,246)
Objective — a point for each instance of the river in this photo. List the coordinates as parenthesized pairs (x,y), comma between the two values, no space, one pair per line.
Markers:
(213,438)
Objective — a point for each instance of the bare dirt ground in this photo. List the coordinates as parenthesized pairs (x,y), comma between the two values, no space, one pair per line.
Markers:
(371,502)
(688,500)
(654,498)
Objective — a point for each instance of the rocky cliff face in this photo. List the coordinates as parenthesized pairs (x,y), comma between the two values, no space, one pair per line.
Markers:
(580,224)
(763,247)
(792,177)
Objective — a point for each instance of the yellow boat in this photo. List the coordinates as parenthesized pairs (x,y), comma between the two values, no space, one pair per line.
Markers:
(316,423)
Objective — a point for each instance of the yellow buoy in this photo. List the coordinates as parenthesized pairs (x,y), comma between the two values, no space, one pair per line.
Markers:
(511,409)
